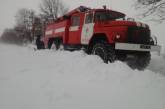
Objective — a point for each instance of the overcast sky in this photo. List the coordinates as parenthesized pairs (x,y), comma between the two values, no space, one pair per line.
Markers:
(8,9)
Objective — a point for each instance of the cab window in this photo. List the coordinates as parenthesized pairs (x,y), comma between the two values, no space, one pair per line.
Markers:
(75,21)
(89,18)
(108,15)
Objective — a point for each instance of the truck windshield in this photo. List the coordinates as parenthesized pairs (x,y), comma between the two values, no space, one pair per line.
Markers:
(108,15)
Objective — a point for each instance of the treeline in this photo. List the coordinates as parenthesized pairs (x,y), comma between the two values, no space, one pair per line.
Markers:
(29,24)
(16,36)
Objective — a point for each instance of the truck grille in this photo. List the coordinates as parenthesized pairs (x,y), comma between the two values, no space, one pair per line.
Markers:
(138,35)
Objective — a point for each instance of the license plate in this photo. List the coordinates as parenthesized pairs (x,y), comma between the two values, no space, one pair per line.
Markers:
(145,46)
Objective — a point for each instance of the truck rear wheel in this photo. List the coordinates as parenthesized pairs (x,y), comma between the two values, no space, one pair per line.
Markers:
(58,44)
(141,61)
(104,51)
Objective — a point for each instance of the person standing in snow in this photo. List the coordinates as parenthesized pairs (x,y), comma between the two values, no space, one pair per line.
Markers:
(39,43)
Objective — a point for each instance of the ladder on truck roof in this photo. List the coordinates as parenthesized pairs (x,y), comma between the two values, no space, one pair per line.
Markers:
(77,10)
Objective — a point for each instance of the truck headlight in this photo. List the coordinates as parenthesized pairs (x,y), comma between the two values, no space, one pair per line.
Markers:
(118,36)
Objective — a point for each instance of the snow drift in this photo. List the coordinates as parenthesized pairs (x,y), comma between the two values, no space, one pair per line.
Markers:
(49,79)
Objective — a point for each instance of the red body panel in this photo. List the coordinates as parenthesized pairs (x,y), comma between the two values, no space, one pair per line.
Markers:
(75,31)
(57,30)
(113,28)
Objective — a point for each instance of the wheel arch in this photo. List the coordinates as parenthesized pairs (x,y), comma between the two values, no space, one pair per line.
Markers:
(98,37)
(51,39)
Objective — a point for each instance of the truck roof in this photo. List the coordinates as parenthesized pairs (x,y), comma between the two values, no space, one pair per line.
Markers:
(86,9)
(82,9)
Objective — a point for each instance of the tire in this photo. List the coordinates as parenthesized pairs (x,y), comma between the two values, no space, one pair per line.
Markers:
(58,45)
(141,61)
(104,51)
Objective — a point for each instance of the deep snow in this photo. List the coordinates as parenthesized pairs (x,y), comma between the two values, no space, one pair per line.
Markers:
(50,79)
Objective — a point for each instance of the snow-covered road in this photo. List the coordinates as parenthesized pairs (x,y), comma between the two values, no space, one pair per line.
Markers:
(73,80)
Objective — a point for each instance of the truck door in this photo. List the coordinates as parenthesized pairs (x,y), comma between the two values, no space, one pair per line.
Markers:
(87,29)
(75,30)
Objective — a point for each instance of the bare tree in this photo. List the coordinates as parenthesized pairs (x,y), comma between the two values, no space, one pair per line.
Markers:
(152,9)
(52,9)
(22,32)
(24,23)
(25,17)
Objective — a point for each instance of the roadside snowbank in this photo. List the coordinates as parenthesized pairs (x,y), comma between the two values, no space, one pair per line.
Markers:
(73,80)
(157,64)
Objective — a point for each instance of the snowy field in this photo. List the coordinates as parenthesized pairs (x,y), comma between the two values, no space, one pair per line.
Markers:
(73,80)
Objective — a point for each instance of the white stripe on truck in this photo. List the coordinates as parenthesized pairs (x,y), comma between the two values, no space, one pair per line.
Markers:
(74,28)
(62,29)
(48,32)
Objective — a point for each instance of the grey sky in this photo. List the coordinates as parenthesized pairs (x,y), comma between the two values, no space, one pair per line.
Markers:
(8,9)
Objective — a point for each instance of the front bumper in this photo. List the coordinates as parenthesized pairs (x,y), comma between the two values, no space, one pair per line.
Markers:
(137,47)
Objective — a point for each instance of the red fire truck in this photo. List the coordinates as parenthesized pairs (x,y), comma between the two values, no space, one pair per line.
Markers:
(103,32)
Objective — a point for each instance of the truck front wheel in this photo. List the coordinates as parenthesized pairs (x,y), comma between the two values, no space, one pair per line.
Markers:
(140,61)
(104,51)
